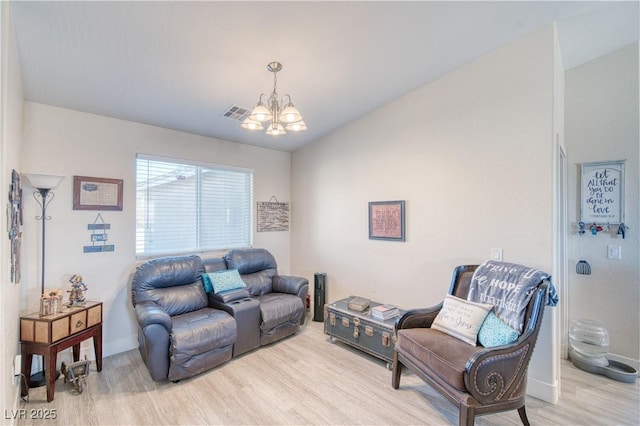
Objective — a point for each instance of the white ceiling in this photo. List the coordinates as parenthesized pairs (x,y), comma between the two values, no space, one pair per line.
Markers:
(181,64)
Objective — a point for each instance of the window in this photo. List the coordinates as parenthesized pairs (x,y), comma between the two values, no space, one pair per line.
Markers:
(191,207)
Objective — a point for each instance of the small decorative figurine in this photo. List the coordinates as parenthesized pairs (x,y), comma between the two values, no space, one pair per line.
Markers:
(78,288)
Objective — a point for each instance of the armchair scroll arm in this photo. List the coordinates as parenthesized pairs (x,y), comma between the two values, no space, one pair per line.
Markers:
(497,374)
(418,318)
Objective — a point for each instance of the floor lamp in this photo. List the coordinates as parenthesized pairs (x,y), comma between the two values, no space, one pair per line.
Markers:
(43,194)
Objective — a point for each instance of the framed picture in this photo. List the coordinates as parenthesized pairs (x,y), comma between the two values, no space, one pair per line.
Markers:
(386,220)
(92,193)
(273,216)
(602,192)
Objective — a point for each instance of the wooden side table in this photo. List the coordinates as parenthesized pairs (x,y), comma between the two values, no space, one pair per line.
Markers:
(51,334)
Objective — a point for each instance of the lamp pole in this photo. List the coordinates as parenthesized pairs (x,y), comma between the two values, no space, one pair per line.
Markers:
(41,196)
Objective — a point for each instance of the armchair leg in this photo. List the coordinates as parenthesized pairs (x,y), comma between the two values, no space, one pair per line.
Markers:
(523,416)
(467,416)
(397,371)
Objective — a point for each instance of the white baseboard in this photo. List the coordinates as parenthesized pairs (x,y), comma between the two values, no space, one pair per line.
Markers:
(112,347)
(544,391)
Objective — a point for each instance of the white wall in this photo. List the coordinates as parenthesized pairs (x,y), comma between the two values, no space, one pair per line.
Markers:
(602,124)
(10,156)
(472,155)
(66,142)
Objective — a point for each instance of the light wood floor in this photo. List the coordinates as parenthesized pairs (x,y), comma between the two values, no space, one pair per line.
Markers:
(306,380)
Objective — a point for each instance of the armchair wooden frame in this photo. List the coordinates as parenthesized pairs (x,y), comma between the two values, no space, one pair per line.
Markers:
(495,378)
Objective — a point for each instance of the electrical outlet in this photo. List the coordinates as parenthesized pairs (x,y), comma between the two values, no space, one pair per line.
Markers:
(17,365)
(614,252)
(496,254)
(17,369)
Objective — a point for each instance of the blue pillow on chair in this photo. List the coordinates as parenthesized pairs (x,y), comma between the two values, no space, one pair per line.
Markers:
(495,332)
(220,281)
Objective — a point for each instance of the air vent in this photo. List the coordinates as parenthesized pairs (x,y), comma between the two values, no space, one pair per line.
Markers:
(235,112)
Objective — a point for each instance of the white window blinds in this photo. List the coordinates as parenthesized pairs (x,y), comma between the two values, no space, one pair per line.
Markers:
(191,207)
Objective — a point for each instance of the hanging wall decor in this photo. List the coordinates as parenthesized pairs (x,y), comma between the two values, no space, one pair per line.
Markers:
(14,225)
(99,236)
(602,193)
(386,220)
(92,193)
(273,215)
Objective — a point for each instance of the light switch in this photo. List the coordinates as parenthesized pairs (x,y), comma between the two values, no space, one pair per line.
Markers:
(496,254)
(614,252)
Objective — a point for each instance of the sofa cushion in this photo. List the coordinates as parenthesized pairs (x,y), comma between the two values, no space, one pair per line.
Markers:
(260,282)
(201,331)
(171,282)
(279,308)
(461,318)
(248,261)
(444,355)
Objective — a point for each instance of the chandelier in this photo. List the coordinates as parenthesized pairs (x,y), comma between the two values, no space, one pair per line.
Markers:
(279,115)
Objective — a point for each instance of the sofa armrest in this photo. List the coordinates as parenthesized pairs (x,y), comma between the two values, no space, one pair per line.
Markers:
(227,296)
(418,318)
(290,285)
(148,313)
(154,335)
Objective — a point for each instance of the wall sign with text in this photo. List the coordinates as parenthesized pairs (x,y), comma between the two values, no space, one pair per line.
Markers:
(602,192)
(273,216)
(386,220)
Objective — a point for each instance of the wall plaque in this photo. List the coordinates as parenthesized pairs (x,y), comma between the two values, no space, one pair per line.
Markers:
(602,192)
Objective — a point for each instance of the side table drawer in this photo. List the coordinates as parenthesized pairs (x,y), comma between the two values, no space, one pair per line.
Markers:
(78,321)
(59,329)
(94,315)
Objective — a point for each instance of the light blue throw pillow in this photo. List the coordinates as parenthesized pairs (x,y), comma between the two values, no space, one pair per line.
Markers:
(225,280)
(495,332)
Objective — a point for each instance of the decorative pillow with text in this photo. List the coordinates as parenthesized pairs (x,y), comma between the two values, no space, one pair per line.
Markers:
(461,318)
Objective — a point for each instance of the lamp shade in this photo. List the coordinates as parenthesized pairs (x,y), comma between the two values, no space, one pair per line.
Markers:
(41,181)
(290,114)
(249,124)
(275,129)
(297,127)
(260,113)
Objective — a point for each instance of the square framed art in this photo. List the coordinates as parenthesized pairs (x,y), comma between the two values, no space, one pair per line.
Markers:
(387,220)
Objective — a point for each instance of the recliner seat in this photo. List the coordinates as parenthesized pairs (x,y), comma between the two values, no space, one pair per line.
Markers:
(179,335)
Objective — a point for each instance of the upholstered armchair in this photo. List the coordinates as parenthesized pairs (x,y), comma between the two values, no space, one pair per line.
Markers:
(179,335)
(475,378)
